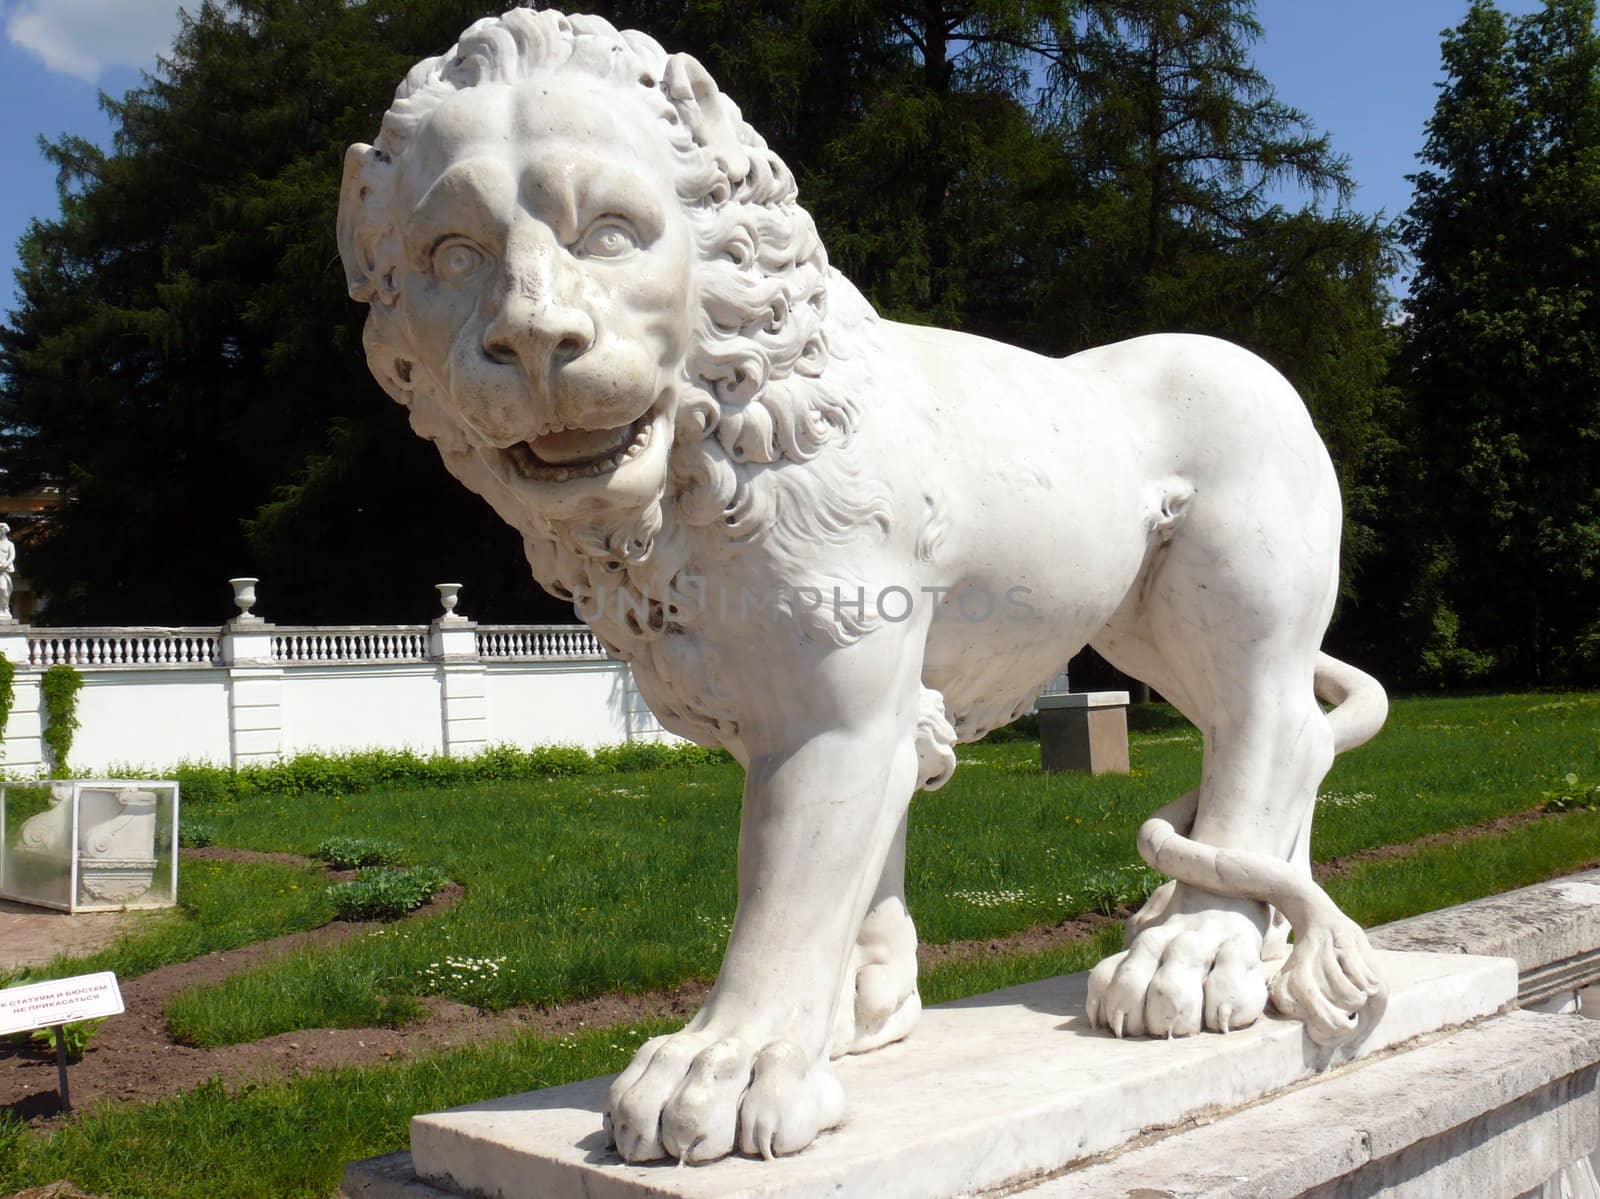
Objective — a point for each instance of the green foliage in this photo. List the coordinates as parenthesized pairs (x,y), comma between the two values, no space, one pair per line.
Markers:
(1438,876)
(1111,891)
(195,259)
(1040,171)
(347,853)
(1452,760)
(466,979)
(1572,795)
(290,1138)
(221,906)
(74,1035)
(8,692)
(387,892)
(196,834)
(12,1131)
(1495,533)
(626,882)
(59,687)
(337,775)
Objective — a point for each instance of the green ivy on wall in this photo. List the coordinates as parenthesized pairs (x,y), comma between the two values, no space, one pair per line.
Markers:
(59,686)
(8,692)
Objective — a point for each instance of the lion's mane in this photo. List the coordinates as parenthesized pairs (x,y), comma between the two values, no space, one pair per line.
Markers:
(752,394)
(771,379)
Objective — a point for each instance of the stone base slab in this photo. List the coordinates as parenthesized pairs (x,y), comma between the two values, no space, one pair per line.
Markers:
(1487,1112)
(992,1091)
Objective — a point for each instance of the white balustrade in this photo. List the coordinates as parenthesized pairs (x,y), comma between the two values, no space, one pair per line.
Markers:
(251,691)
(110,648)
(352,643)
(537,642)
(132,647)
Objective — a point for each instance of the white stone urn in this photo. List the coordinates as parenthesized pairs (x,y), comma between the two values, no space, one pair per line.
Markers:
(449,594)
(244,597)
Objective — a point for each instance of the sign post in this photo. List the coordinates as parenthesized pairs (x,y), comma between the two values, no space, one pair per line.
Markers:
(61,1070)
(58,1002)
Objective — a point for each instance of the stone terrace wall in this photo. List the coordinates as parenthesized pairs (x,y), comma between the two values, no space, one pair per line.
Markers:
(250,691)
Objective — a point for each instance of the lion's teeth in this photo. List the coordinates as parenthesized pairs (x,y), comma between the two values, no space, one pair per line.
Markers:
(527,463)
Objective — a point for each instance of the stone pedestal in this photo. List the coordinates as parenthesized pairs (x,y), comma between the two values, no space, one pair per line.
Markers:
(1013,1090)
(453,643)
(255,688)
(1085,730)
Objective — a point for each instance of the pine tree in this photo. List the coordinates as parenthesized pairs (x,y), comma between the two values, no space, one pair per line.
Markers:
(183,347)
(1187,150)
(186,358)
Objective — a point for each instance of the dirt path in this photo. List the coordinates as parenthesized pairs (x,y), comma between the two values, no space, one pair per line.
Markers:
(134,1057)
(1339,867)
(31,936)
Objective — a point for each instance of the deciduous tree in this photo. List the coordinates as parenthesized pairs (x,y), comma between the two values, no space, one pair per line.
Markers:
(1502,353)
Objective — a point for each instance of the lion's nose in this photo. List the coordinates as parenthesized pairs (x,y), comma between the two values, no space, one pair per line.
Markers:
(538,333)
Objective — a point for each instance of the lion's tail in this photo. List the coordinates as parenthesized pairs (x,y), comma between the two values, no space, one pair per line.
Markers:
(1360,709)
(1360,705)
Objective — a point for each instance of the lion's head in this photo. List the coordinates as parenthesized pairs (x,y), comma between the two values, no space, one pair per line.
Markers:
(592,286)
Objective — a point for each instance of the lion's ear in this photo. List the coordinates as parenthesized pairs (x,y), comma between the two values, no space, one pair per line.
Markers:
(712,117)
(363,224)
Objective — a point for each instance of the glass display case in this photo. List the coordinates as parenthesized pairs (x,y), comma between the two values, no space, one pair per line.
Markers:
(88,845)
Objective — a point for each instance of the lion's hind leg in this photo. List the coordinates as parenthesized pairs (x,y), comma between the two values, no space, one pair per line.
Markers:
(1193,958)
(1235,648)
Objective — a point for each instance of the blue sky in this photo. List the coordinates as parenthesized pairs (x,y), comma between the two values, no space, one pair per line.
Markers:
(1363,70)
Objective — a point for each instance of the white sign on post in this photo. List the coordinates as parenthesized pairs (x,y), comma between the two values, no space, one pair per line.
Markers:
(59,1001)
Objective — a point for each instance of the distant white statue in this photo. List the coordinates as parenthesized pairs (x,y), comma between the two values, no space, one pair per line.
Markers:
(838,545)
(8,570)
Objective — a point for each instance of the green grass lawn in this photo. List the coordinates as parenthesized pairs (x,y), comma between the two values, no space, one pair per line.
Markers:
(224,905)
(291,1138)
(626,881)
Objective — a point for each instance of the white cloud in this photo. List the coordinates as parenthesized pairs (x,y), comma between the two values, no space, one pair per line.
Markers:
(84,37)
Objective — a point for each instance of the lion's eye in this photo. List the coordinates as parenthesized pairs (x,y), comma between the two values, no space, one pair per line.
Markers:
(608,239)
(455,260)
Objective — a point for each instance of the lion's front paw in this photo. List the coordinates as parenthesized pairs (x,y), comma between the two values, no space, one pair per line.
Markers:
(1330,981)
(1182,971)
(696,1097)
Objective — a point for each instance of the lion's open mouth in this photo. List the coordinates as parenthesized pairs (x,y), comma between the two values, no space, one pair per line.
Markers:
(580,453)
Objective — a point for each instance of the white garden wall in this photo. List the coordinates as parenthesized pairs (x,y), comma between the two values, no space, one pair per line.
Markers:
(254,692)
(150,718)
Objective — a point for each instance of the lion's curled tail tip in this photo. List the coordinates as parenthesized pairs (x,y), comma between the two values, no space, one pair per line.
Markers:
(1360,703)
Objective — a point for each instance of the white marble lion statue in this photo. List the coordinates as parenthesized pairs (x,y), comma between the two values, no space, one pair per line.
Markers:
(838,545)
